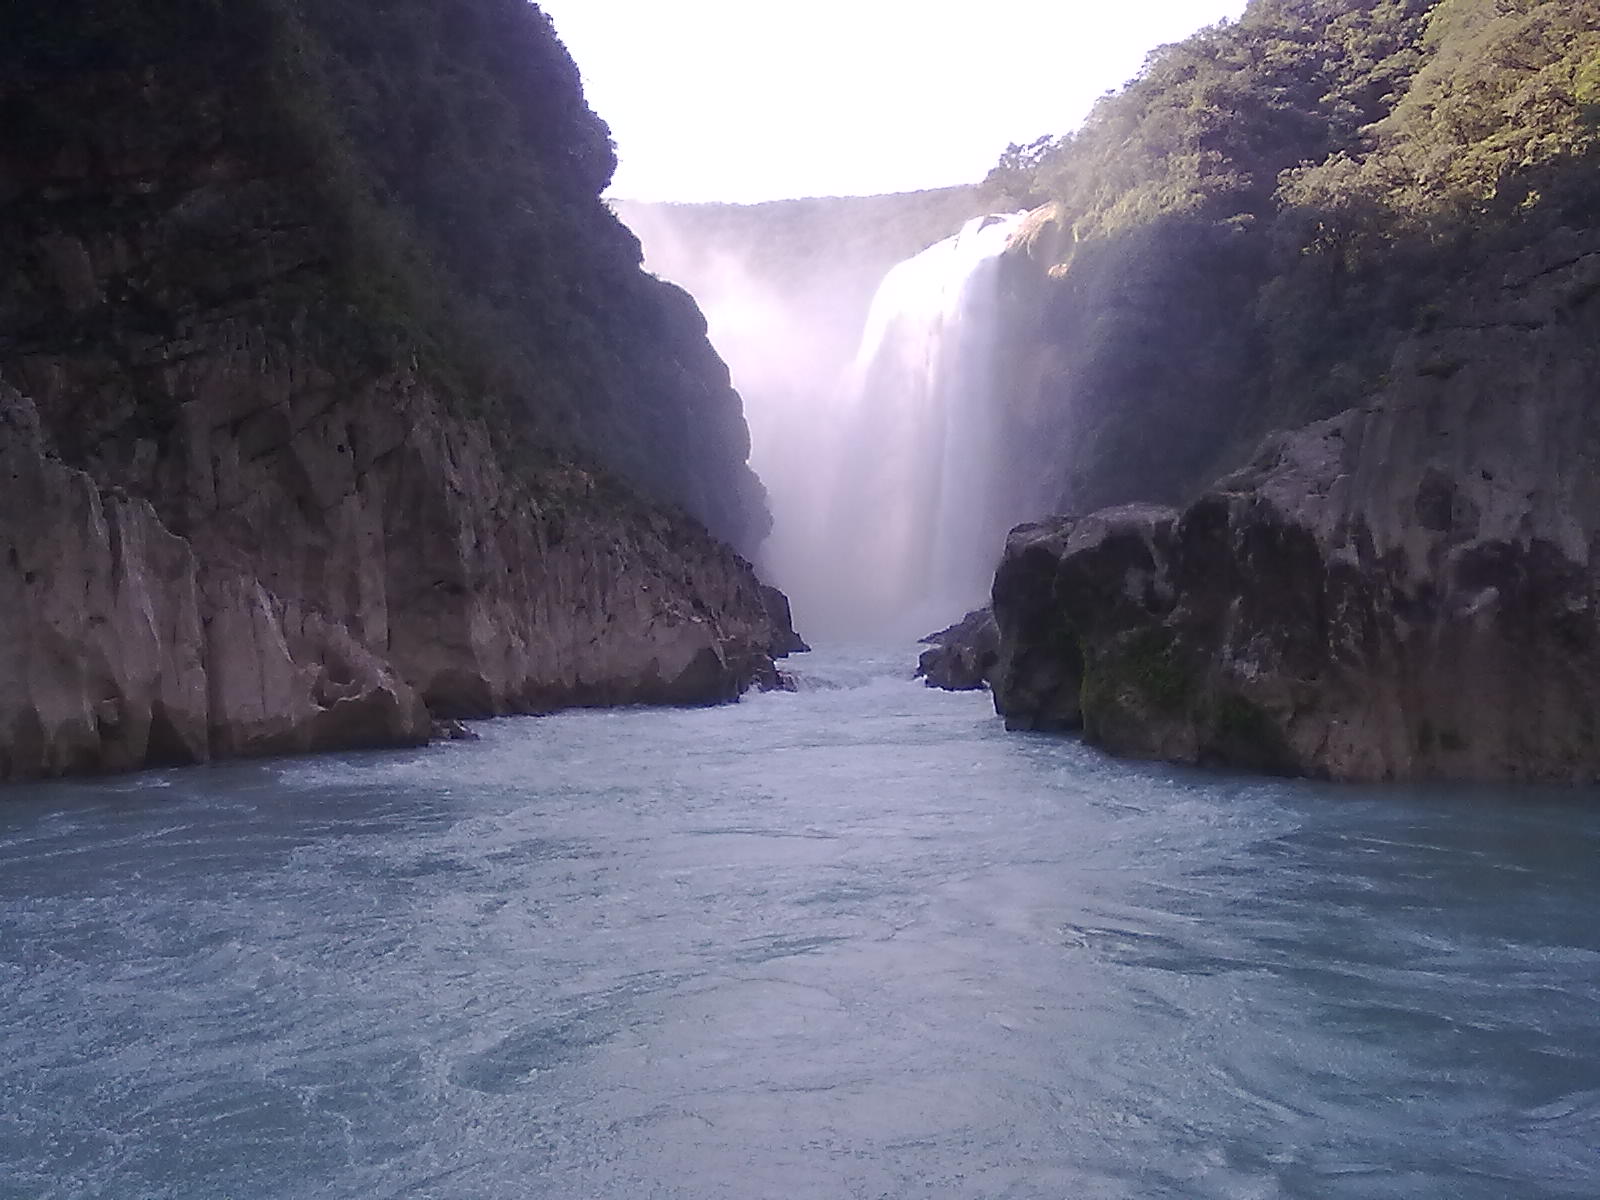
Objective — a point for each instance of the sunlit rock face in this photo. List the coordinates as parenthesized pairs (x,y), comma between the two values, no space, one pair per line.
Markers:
(428,581)
(904,523)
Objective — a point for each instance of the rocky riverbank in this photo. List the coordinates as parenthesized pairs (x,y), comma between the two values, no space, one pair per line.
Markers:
(1406,590)
(426,584)
(320,419)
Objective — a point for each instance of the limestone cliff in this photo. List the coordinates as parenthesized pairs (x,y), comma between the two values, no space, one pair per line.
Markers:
(961,657)
(1406,590)
(266,481)
(1241,238)
(1371,224)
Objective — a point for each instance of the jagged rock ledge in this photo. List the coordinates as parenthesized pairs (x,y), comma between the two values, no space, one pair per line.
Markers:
(1404,591)
(426,585)
(1267,627)
(961,657)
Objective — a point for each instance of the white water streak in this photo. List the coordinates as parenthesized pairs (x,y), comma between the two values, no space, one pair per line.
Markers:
(908,520)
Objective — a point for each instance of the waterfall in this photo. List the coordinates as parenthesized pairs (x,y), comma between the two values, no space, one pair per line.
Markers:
(875,428)
(903,527)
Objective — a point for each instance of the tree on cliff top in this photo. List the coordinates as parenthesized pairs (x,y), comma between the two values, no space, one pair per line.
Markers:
(1331,167)
(1491,127)
(1207,125)
(1419,109)
(449,168)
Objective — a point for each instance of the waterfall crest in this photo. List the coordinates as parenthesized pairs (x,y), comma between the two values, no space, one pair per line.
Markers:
(904,529)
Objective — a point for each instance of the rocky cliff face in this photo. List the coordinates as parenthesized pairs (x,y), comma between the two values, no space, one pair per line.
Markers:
(246,504)
(317,606)
(1406,590)
(961,657)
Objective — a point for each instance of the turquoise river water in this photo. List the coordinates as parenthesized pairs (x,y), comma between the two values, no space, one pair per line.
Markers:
(851,942)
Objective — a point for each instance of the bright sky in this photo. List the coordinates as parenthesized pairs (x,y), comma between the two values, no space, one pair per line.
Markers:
(748,100)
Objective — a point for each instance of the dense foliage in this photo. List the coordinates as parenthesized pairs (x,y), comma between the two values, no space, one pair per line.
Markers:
(1292,192)
(1209,123)
(1504,107)
(444,163)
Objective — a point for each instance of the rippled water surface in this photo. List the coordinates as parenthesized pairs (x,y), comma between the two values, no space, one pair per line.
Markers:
(855,942)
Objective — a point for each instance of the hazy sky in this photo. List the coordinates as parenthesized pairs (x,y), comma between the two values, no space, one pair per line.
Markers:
(761,99)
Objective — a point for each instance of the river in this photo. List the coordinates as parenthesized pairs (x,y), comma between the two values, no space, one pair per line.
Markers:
(851,942)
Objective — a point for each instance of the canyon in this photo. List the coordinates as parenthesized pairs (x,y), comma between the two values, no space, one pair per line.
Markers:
(264,489)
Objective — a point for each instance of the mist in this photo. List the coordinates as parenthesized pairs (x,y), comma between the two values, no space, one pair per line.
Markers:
(866,377)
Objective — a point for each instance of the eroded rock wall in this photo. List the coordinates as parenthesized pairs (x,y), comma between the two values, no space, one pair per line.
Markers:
(1407,590)
(312,608)
(256,494)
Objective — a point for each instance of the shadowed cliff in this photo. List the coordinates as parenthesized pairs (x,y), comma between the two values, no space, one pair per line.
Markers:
(1241,239)
(332,393)
(1378,218)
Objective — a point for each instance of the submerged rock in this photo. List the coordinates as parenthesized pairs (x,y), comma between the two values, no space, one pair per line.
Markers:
(448,730)
(962,655)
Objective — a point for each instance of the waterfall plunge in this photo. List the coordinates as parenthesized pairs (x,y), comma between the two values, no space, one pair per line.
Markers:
(884,475)
(901,527)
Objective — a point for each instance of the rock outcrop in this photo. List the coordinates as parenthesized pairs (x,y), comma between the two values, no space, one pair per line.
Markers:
(428,583)
(1406,590)
(259,492)
(961,658)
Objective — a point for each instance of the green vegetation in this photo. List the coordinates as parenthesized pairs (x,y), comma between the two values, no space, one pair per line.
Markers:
(466,128)
(1145,665)
(1208,124)
(1399,113)
(432,166)
(1256,219)
(1244,734)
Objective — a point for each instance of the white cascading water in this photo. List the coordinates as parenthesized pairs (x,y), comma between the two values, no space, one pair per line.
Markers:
(883,475)
(903,531)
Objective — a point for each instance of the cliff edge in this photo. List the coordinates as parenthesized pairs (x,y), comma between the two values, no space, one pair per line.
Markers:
(1405,590)
(290,458)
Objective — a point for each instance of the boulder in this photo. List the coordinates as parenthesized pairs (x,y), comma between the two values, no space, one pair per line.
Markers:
(963,655)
